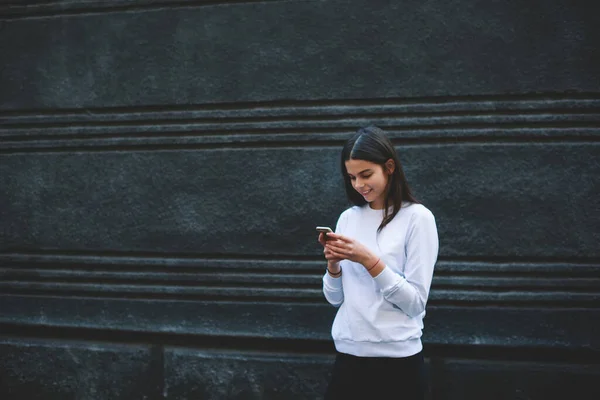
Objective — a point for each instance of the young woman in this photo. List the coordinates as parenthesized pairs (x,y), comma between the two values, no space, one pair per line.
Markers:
(380,264)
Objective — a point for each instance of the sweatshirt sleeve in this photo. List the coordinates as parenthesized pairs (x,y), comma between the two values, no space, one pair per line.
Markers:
(332,287)
(333,290)
(410,291)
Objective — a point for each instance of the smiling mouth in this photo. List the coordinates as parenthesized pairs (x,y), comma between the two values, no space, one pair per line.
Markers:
(367,192)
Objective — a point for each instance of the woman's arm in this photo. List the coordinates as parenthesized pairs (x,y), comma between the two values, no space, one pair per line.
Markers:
(333,290)
(411,291)
(332,279)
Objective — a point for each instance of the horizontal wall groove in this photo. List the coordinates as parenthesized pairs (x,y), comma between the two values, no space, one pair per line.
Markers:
(513,289)
(262,298)
(550,100)
(556,275)
(484,281)
(107,146)
(161,259)
(226,135)
(314,118)
(239,344)
(17,276)
(70,8)
(22,277)
(254,269)
(428,121)
(263,291)
(471,297)
(301,120)
(242,345)
(549,300)
(151,257)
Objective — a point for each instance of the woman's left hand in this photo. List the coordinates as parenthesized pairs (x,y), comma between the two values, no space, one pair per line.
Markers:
(346,248)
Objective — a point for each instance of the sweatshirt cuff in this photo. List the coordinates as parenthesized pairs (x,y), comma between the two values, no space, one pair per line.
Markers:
(387,279)
(333,284)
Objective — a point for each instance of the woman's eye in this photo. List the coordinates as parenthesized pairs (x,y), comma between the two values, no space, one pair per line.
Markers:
(352,178)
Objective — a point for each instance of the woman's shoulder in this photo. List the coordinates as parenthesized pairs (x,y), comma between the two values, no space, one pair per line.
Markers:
(353,210)
(417,210)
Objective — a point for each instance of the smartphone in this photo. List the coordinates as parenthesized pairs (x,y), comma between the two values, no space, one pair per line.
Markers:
(324,229)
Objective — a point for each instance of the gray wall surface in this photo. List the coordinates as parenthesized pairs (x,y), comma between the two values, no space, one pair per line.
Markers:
(163,165)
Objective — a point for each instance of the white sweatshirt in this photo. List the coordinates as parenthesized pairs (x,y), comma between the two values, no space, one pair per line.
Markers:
(383,316)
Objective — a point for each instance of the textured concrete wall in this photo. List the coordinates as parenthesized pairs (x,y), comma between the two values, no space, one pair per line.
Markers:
(163,165)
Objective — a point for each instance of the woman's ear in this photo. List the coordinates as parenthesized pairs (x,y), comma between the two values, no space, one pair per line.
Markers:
(390,166)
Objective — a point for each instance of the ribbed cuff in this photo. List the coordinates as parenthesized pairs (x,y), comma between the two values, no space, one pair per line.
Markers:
(332,283)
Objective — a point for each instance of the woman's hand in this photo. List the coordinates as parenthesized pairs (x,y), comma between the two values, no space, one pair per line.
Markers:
(344,248)
(333,263)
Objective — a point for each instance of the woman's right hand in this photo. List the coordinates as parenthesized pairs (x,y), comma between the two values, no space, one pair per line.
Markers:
(333,263)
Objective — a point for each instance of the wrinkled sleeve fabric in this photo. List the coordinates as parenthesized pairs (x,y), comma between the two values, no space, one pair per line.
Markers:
(332,287)
(410,291)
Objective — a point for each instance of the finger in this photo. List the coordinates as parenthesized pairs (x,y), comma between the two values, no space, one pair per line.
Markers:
(335,254)
(330,255)
(336,242)
(322,239)
(337,236)
(336,258)
(327,253)
(336,247)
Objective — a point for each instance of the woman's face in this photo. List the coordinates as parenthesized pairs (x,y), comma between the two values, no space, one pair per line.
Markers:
(368,179)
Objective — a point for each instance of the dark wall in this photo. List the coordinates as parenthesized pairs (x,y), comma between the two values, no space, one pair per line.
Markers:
(163,165)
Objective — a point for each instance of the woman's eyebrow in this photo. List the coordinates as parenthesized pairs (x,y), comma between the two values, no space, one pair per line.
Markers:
(362,172)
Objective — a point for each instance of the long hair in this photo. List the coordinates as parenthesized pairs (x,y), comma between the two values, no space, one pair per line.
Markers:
(372,144)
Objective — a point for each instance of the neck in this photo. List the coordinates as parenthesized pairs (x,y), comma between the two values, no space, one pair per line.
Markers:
(376,205)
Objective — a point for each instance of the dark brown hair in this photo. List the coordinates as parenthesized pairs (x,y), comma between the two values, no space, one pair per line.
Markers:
(372,144)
